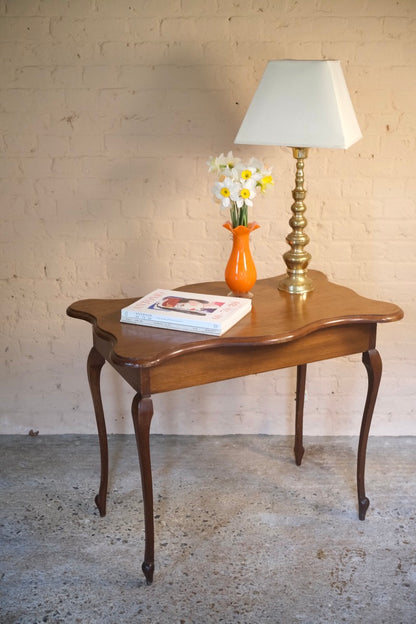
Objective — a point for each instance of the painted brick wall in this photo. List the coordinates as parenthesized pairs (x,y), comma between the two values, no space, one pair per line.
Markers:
(109,111)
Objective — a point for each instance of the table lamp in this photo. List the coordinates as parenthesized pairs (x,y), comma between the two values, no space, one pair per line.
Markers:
(300,104)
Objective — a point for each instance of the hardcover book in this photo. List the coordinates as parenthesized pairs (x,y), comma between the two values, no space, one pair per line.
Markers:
(186,311)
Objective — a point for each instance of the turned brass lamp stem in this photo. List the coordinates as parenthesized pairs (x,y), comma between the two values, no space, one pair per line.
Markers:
(297,259)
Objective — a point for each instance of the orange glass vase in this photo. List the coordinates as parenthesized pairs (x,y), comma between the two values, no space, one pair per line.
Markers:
(240,272)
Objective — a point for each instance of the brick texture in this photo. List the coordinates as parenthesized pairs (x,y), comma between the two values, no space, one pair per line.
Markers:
(108,114)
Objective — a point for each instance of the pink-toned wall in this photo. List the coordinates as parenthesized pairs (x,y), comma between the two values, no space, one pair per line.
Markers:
(109,111)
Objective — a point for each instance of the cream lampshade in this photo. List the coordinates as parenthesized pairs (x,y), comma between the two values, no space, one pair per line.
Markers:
(300,104)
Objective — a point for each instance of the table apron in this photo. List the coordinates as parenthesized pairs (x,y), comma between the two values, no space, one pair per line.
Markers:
(218,364)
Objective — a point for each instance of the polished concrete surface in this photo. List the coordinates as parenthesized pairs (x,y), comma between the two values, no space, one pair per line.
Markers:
(243,535)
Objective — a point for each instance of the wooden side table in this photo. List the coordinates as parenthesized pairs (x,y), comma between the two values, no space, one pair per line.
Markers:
(282,330)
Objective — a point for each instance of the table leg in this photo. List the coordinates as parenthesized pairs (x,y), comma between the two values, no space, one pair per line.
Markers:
(300,401)
(95,363)
(142,412)
(372,361)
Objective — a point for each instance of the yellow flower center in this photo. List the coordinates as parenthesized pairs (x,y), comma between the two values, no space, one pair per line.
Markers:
(225,192)
(265,181)
(245,193)
(246,174)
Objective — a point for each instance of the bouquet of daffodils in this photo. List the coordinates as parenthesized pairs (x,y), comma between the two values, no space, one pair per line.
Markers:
(238,184)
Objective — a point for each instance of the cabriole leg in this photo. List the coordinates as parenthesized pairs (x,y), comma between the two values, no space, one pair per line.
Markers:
(142,412)
(300,401)
(95,363)
(372,362)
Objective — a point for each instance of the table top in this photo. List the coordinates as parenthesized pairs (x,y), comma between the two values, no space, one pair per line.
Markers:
(276,317)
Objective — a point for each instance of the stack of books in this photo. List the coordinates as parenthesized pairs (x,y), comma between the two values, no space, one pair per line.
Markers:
(186,311)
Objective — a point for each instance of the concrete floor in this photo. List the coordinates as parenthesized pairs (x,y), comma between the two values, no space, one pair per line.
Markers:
(243,535)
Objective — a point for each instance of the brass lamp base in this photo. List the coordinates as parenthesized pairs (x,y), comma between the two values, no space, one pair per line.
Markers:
(297,259)
(296,284)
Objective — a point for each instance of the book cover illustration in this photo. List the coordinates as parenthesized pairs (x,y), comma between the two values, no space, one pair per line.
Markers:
(201,307)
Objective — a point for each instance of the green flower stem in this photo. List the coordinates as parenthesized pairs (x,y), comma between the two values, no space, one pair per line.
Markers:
(239,216)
